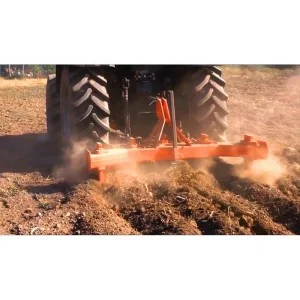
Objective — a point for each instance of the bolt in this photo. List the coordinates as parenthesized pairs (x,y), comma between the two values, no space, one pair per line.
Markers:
(248,138)
(98,147)
(203,138)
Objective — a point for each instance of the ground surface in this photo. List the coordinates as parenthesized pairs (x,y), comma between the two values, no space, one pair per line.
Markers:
(215,198)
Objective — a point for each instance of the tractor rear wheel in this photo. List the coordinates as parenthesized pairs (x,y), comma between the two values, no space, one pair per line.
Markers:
(53,117)
(208,104)
(84,105)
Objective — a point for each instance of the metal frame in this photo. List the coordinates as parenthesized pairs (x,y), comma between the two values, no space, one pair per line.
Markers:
(157,147)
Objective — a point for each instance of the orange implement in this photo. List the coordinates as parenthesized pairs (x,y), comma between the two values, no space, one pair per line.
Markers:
(157,148)
(102,158)
(166,114)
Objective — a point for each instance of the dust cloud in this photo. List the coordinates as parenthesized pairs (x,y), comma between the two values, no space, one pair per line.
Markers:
(73,166)
(264,171)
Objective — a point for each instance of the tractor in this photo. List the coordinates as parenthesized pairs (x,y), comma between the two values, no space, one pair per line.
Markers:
(132,108)
(86,101)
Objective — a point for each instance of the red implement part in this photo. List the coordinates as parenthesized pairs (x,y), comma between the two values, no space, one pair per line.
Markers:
(167,115)
(105,158)
(164,117)
(101,159)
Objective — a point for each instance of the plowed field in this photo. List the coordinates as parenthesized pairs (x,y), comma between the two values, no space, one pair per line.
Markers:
(217,197)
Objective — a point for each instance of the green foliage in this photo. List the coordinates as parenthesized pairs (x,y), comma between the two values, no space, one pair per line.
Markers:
(36,70)
(50,69)
(42,70)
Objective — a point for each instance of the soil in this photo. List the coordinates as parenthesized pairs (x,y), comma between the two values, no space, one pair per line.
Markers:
(213,198)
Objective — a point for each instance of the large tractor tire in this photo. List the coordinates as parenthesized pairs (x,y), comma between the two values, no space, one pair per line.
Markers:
(208,104)
(84,105)
(53,118)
